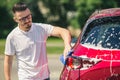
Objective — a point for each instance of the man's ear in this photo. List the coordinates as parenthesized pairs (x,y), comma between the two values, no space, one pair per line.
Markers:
(15,19)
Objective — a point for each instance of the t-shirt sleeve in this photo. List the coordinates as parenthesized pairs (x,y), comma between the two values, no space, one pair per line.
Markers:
(48,28)
(9,46)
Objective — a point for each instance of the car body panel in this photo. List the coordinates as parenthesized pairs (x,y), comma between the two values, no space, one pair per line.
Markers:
(97,50)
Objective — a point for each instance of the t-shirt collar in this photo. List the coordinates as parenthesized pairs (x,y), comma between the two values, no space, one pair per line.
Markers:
(31,29)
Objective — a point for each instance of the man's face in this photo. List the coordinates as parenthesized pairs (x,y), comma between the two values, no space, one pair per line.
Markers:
(24,19)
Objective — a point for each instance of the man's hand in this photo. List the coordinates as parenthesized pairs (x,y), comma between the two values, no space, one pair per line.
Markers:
(66,50)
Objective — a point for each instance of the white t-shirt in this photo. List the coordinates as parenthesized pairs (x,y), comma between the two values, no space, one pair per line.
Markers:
(30,50)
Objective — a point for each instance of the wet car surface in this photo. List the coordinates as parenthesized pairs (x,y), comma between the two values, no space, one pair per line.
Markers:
(96,54)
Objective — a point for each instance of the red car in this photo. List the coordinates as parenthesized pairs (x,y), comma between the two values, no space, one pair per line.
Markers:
(96,54)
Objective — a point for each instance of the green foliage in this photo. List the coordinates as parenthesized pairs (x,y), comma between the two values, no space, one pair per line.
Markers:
(62,13)
(6,22)
(86,7)
(56,14)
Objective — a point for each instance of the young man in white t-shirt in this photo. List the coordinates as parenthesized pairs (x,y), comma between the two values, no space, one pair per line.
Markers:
(28,43)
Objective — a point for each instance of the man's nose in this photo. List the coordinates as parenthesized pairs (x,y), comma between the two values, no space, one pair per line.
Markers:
(26,20)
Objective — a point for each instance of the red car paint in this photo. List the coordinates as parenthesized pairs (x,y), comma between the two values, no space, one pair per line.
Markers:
(108,68)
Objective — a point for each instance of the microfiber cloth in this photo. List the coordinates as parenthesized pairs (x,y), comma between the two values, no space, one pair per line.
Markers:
(63,60)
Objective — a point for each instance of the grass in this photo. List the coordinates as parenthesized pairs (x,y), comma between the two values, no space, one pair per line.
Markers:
(2,46)
(54,45)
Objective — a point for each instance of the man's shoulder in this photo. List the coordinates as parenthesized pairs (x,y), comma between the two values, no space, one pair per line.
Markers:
(42,26)
(13,32)
(38,24)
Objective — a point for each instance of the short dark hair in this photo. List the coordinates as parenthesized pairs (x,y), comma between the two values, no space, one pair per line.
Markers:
(20,6)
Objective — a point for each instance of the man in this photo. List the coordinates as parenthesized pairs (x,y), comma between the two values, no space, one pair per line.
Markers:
(28,43)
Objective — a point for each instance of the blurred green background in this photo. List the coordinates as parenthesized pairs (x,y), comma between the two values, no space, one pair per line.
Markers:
(63,13)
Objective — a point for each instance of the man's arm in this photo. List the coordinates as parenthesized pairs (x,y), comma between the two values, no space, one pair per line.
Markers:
(65,35)
(7,66)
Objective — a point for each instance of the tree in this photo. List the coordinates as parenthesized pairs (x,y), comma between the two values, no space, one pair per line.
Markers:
(56,12)
(86,7)
(6,21)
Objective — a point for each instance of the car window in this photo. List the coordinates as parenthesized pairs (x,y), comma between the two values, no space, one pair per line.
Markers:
(104,32)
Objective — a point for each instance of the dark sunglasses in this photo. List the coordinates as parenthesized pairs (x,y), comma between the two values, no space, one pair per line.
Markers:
(25,18)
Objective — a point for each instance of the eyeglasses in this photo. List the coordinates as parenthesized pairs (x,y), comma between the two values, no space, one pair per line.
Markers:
(25,18)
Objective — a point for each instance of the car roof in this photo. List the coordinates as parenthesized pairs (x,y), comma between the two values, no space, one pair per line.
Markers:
(105,13)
